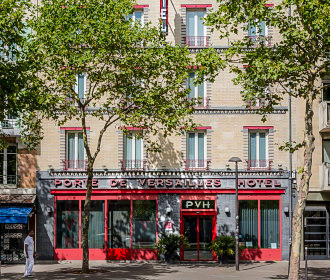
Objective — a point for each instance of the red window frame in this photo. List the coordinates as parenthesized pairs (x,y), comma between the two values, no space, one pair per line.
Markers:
(106,253)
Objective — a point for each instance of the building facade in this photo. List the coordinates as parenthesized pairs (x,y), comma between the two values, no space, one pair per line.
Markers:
(17,193)
(189,188)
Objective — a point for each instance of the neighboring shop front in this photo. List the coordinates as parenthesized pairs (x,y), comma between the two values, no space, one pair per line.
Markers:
(17,218)
(130,211)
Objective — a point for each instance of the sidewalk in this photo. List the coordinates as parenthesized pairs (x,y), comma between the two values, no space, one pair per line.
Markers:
(319,270)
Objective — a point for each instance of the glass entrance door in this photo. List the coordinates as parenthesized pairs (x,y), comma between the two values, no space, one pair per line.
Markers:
(198,230)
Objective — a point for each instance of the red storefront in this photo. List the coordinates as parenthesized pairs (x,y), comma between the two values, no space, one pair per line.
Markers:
(127,219)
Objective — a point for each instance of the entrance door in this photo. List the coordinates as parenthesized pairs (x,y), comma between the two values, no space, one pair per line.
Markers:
(198,229)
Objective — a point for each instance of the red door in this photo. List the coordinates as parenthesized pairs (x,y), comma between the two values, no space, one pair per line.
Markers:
(200,230)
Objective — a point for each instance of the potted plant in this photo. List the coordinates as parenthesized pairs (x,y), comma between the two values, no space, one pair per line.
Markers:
(224,247)
(169,245)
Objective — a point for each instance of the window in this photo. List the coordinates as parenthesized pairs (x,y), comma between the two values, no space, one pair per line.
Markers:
(136,16)
(196,29)
(258,32)
(80,87)
(258,150)
(196,151)
(8,165)
(96,224)
(144,223)
(119,223)
(75,151)
(198,91)
(269,223)
(133,151)
(67,224)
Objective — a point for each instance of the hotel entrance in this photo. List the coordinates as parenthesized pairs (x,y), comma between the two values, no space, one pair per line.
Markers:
(198,225)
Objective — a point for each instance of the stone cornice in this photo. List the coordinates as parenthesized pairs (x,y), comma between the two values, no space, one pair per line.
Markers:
(237,110)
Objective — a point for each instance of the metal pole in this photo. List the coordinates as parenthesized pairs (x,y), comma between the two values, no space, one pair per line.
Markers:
(237,218)
(306,267)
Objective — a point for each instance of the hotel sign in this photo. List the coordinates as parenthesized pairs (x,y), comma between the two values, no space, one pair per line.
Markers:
(153,183)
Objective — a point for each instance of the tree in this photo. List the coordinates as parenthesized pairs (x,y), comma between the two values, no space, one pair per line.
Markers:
(134,76)
(292,64)
(13,67)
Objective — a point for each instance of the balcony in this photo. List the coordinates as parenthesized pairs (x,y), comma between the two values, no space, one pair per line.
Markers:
(197,164)
(10,127)
(197,41)
(258,40)
(133,165)
(203,102)
(324,116)
(74,164)
(9,180)
(324,176)
(259,164)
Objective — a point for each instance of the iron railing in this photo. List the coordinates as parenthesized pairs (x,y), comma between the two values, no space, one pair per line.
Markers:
(259,164)
(203,102)
(9,124)
(258,39)
(198,41)
(197,164)
(74,164)
(8,179)
(133,164)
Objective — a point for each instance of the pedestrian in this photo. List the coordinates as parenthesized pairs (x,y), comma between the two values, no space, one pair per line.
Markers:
(29,254)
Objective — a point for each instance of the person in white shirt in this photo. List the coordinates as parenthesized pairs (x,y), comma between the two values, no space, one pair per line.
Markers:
(29,254)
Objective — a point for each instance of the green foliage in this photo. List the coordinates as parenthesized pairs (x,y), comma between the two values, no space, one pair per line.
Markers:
(294,146)
(134,76)
(293,64)
(170,244)
(223,245)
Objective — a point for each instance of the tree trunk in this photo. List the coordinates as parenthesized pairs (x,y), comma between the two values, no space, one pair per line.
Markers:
(303,189)
(87,207)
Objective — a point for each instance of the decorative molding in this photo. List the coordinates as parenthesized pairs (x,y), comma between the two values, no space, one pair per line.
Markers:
(237,110)
(189,6)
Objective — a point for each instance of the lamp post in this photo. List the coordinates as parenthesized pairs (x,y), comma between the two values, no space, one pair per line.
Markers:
(236,160)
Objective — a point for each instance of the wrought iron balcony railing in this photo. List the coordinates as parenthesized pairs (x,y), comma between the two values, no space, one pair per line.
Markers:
(8,179)
(259,164)
(198,41)
(259,39)
(9,124)
(74,164)
(203,102)
(197,164)
(133,164)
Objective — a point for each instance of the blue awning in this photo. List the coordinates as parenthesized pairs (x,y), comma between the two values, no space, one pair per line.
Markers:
(14,215)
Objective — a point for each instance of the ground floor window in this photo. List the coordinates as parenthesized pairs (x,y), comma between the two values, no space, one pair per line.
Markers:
(130,223)
(259,222)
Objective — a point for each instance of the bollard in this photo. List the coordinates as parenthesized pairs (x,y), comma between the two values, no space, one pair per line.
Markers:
(306,268)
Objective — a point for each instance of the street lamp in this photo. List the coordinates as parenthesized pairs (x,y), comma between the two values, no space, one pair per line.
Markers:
(236,160)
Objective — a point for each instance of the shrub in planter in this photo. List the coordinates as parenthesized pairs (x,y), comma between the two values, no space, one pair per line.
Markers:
(169,245)
(224,247)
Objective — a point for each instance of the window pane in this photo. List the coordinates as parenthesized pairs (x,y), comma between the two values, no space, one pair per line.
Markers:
(191,23)
(200,23)
(262,149)
(191,85)
(130,16)
(270,224)
(191,146)
(12,150)
(128,147)
(138,149)
(248,223)
(71,146)
(11,168)
(201,149)
(144,223)
(201,90)
(80,148)
(326,151)
(81,86)
(67,224)
(96,224)
(252,29)
(119,224)
(138,17)
(253,148)
(262,28)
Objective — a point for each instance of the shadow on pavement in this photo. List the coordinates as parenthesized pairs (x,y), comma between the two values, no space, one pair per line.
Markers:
(314,273)
(116,272)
